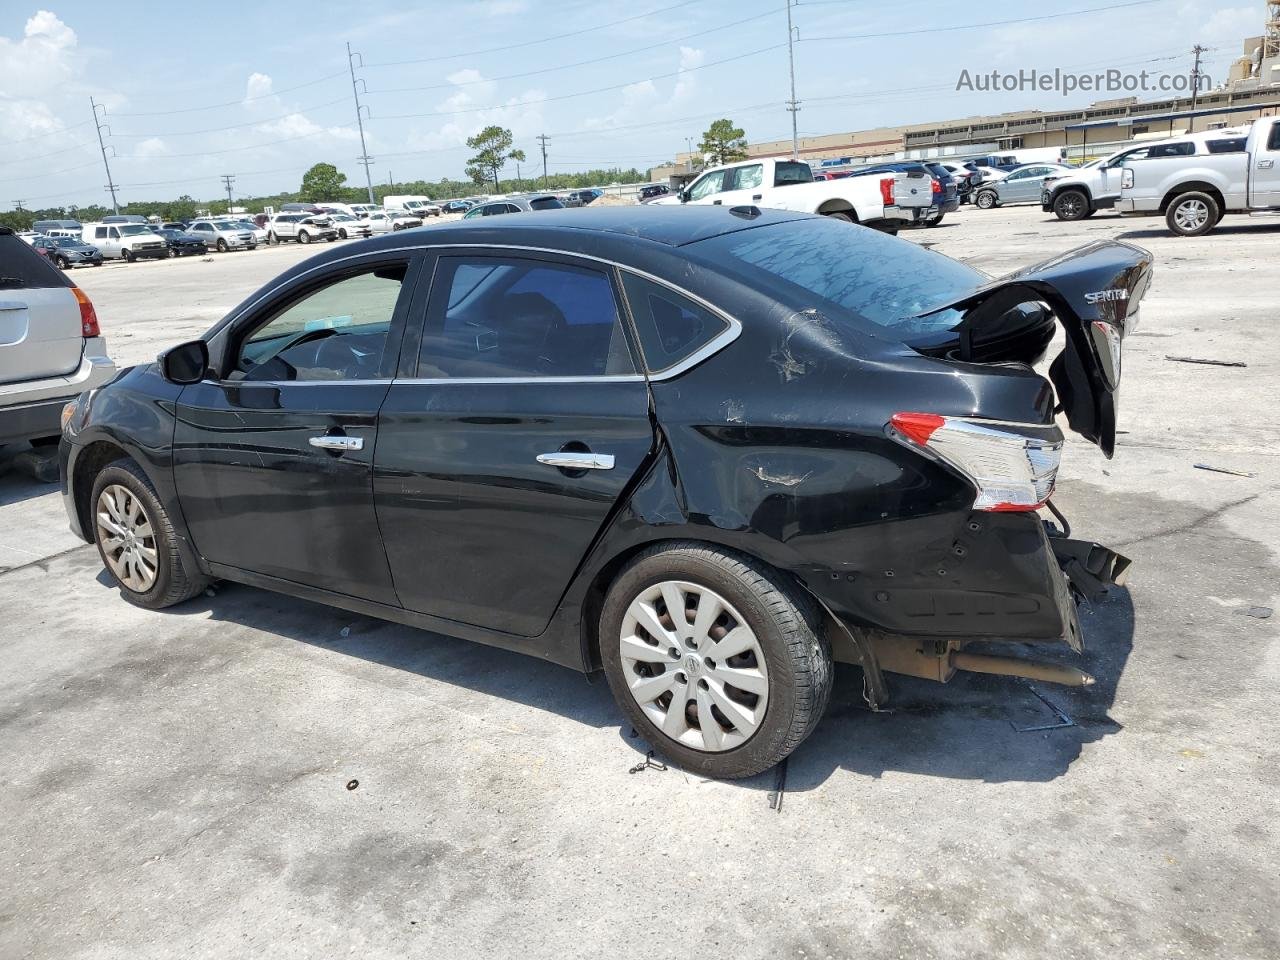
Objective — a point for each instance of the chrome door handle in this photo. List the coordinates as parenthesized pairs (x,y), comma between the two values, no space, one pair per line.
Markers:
(1266,164)
(568,460)
(328,442)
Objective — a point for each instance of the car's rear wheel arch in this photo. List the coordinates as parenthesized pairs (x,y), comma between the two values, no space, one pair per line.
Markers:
(1195,186)
(839,206)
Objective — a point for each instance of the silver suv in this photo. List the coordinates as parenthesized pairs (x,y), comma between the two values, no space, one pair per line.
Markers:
(50,347)
(223,235)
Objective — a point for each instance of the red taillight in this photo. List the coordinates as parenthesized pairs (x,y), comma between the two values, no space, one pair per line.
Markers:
(88,317)
(1013,466)
(886,191)
(918,426)
(937,186)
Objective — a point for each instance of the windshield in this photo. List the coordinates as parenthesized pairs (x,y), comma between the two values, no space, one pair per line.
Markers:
(134,229)
(67,241)
(850,272)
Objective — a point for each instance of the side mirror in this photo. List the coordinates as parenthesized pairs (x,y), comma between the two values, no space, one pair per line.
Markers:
(684,196)
(185,363)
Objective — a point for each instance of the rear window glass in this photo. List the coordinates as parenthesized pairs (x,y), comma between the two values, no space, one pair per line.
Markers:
(849,272)
(1227,145)
(1184,149)
(545,203)
(21,268)
(791,171)
(671,327)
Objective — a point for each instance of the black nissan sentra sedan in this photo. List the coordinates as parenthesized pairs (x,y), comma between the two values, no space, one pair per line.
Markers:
(705,450)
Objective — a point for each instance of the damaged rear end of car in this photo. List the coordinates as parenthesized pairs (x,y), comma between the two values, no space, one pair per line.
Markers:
(929,546)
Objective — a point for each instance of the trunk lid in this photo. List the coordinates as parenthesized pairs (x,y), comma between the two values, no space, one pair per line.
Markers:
(40,332)
(1093,291)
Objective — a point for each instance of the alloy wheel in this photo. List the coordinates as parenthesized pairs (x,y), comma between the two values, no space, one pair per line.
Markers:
(1191,215)
(127,537)
(694,666)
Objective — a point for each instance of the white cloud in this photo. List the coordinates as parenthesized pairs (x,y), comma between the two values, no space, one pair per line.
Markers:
(33,71)
(690,58)
(257,87)
(151,147)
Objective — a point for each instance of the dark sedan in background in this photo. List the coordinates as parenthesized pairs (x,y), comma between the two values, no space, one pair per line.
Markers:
(707,450)
(181,243)
(68,252)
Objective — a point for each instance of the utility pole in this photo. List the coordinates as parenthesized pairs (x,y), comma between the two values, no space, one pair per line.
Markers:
(517,174)
(793,105)
(355,92)
(17,205)
(688,141)
(542,139)
(1195,86)
(111,185)
(391,181)
(227,180)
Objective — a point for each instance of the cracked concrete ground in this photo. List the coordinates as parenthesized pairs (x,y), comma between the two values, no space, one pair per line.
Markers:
(176,784)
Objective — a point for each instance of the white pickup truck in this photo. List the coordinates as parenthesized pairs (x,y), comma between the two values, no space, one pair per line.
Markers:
(1194,192)
(1096,185)
(887,203)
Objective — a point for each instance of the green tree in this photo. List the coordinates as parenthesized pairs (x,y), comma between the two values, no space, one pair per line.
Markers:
(493,150)
(724,143)
(322,182)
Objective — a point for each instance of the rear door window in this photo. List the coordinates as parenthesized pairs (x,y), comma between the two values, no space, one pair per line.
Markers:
(791,171)
(1226,145)
(745,178)
(508,317)
(21,268)
(671,327)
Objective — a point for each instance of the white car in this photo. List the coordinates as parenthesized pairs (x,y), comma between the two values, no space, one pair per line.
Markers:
(259,233)
(378,221)
(403,221)
(50,345)
(349,226)
(125,241)
(303,227)
(223,235)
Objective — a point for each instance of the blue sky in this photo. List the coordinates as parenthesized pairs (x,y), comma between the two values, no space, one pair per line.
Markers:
(261,91)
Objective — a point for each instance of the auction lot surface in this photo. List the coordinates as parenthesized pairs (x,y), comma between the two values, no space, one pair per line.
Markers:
(176,783)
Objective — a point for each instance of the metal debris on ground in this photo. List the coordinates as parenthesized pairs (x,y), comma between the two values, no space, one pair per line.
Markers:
(1258,613)
(648,764)
(1211,363)
(1234,473)
(1062,721)
(352,784)
(779,786)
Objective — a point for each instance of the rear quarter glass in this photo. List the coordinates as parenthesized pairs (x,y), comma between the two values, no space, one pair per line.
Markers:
(21,268)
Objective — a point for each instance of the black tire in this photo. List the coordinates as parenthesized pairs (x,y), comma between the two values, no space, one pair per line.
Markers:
(127,255)
(1192,214)
(841,215)
(935,221)
(342,233)
(62,263)
(786,623)
(222,245)
(986,200)
(272,238)
(174,583)
(1070,205)
(304,237)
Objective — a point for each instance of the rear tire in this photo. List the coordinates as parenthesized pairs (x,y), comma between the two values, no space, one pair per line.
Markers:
(1193,214)
(136,540)
(1070,205)
(771,634)
(841,215)
(935,221)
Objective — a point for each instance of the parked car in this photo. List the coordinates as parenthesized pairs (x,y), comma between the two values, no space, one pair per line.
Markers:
(50,344)
(582,198)
(652,191)
(456,206)
(124,218)
(349,226)
(58,228)
(871,496)
(514,205)
(68,252)
(125,241)
(1023,185)
(296,207)
(170,225)
(378,222)
(1193,193)
(400,220)
(224,235)
(887,202)
(303,227)
(260,234)
(183,244)
(418,206)
(943,196)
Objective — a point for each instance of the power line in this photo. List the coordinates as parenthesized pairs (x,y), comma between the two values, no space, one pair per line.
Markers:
(231,103)
(234,126)
(97,122)
(991,23)
(530,43)
(364,157)
(579,63)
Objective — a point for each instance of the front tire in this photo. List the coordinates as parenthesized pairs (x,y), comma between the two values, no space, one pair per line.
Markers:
(1070,205)
(136,540)
(985,200)
(222,245)
(1193,214)
(62,263)
(304,237)
(342,234)
(128,256)
(717,660)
